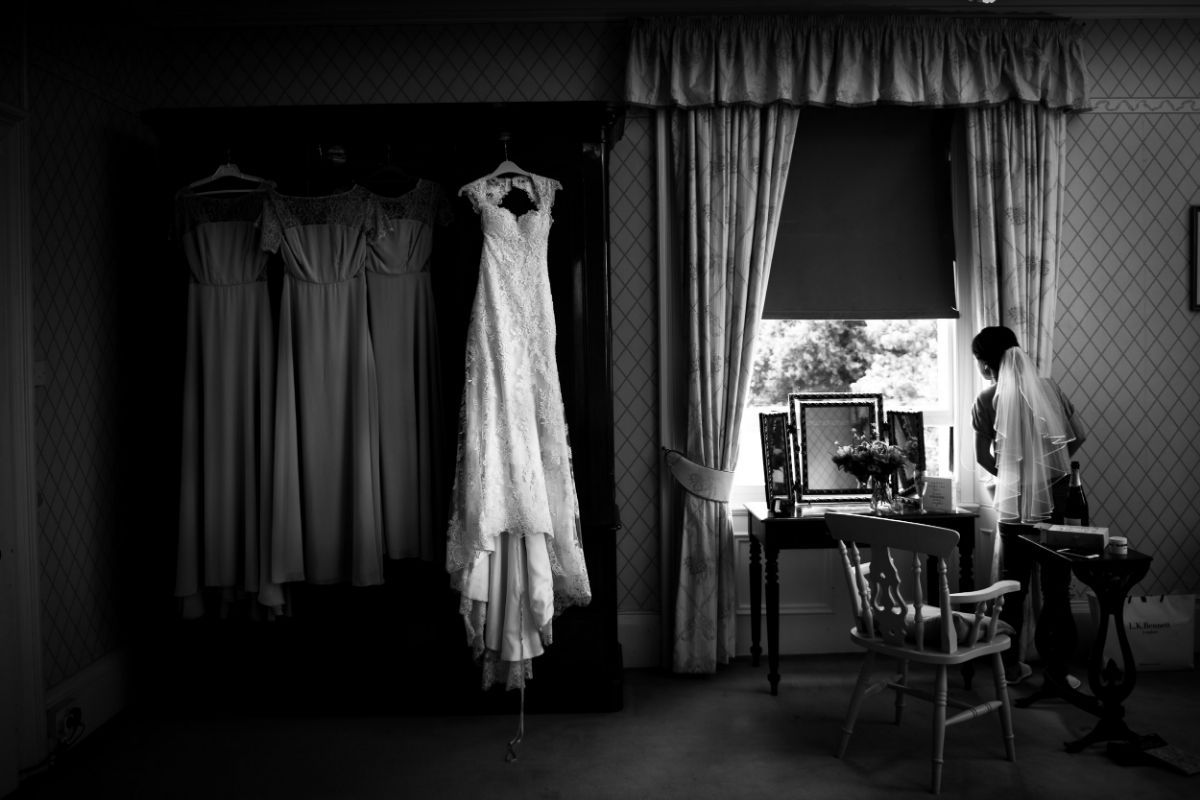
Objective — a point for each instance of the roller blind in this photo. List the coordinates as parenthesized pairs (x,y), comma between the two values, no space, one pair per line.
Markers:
(866,230)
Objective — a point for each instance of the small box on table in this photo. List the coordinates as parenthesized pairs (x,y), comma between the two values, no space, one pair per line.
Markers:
(1085,538)
(938,495)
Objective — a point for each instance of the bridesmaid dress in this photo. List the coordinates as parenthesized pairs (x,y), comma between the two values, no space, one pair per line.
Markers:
(325,525)
(403,323)
(228,401)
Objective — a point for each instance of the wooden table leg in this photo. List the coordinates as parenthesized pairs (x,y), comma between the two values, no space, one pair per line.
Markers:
(755,600)
(773,618)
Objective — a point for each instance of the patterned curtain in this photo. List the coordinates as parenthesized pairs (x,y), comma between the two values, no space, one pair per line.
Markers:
(734,85)
(1015,182)
(1015,159)
(730,170)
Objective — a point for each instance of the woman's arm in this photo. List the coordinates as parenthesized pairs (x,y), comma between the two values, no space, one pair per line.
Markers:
(1080,434)
(983,452)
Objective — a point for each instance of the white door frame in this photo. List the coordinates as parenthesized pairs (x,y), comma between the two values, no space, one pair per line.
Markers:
(22,690)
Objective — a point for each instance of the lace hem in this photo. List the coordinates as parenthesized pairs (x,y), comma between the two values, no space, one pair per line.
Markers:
(493,668)
(513,674)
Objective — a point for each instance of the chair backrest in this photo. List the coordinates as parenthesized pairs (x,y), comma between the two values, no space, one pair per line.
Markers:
(876,595)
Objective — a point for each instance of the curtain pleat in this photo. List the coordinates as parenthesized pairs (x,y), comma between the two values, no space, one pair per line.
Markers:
(855,60)
(1015,162)
(1016,157)
(730,170)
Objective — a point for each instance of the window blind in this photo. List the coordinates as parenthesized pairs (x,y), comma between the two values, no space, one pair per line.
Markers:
(866,230)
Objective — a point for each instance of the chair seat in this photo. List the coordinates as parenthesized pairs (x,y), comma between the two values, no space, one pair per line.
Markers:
(932,616)
(909,653)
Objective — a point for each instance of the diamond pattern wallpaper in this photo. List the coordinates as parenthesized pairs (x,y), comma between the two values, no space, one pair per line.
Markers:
(635,363)
(467,63)
(74,313)
(1127,344)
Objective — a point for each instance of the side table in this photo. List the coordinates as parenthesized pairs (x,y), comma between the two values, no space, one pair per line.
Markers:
(1110,577)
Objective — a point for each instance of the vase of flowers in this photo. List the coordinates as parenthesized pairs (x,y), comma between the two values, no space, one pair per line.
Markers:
(872,461)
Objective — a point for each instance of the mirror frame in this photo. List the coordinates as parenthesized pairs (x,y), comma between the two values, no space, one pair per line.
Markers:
(798,406)
(904,488)
(774,434)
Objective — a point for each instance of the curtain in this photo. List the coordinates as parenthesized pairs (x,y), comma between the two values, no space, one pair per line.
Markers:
(730,167)
(734,85)
(855,60)
(1015,161)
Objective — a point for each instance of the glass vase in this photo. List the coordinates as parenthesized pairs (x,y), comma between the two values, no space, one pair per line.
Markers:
(881,494)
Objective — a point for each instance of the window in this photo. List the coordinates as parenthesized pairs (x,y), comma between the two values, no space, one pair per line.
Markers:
(910,362)
(867,229)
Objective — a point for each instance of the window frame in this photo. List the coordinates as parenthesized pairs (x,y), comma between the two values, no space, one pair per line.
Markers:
(947,413)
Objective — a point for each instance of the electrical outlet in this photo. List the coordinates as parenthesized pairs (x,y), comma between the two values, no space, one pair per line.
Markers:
(63,719)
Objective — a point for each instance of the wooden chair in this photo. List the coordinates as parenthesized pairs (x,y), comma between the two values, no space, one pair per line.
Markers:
(911,631)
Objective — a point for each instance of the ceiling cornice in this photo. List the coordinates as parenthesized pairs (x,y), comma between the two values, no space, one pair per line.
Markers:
(220,13)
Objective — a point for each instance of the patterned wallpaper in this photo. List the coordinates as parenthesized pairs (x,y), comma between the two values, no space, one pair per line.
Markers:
(513,62)
(75,337)
(635,363)
(1127,345)
(86,87)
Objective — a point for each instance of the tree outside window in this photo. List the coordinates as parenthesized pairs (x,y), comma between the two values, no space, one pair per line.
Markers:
(897,358)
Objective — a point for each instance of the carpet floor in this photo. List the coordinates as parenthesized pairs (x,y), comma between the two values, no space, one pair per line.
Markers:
(697,737)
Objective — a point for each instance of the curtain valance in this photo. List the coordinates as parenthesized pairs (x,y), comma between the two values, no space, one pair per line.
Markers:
(855,60)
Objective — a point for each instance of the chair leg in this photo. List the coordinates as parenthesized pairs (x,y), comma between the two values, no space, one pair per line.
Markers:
(899,694)
(860,690)
(941,693)
(1006,723)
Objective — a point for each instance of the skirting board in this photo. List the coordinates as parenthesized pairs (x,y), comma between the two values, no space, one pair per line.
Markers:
(101,690)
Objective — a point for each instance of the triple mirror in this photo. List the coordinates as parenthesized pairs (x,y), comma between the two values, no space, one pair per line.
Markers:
(906,430)
(777,466)
(820,422)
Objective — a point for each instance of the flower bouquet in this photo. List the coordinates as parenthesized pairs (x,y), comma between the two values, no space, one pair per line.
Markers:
(872,461)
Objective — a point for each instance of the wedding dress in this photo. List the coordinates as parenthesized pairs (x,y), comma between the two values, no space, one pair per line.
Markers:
(514,551)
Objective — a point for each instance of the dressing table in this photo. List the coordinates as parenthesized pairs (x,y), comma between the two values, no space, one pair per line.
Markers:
(806,530)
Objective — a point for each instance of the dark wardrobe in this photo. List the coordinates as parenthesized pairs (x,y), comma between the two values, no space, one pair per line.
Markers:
(399,647)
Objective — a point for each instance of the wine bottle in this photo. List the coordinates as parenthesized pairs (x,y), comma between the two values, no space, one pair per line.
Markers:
(1076,510)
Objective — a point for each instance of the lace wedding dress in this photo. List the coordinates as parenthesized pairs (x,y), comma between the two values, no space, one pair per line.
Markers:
(514,551)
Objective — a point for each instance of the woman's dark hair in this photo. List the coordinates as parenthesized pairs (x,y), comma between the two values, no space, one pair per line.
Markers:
(990,343)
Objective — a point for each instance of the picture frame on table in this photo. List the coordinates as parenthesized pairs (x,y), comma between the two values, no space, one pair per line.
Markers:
(906,430)
(777,462)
